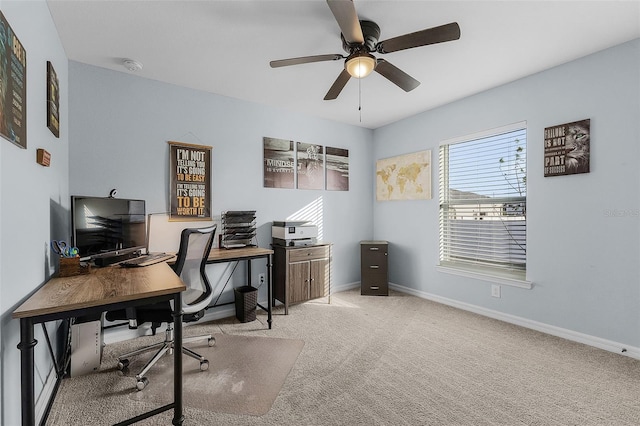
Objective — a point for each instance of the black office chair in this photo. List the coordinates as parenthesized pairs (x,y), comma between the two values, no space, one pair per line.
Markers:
(195,245)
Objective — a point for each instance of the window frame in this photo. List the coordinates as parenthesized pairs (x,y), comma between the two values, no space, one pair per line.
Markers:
(513,277)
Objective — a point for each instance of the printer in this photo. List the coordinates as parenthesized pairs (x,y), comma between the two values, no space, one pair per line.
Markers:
(294,233)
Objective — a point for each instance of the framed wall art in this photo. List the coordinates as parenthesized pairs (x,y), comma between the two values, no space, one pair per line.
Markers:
(567,148)
(289,164)
(405,177)
(279,163)
(189,182)
(13,86)
(337,160)
(310,166)
(53,101)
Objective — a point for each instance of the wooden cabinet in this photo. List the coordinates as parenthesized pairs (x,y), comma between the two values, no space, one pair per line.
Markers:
(374,272)
(301,273)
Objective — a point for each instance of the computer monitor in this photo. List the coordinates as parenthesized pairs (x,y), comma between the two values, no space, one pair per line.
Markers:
(108,227)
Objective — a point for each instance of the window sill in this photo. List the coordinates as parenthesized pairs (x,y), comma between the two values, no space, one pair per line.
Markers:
(512,281)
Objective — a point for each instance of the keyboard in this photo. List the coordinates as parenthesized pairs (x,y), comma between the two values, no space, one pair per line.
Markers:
(146,260)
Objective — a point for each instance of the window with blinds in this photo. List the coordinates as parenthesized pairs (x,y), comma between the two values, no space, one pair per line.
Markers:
(483,202)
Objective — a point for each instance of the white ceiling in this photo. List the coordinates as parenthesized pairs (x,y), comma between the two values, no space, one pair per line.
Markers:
(224,47)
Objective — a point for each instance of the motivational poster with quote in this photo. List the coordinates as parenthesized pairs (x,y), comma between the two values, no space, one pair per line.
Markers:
(190,182)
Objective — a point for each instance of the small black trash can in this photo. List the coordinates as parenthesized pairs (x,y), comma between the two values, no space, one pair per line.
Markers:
(246,302)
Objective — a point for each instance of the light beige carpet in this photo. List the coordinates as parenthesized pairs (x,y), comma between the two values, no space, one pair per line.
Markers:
(245,374)
(400,361)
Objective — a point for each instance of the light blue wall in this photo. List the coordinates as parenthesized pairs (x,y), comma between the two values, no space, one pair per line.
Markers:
(34,199)
(583,260)
(121,125)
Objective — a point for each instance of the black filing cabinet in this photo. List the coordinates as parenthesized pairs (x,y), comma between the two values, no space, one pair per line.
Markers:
(374,271)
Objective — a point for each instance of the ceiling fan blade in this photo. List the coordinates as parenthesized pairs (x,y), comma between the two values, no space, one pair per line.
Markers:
(304,60)
(433,35)
(337,86)
(345,13)
(396,75)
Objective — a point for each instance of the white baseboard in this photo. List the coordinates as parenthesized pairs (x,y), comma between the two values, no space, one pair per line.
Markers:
(553,330)
(344,287)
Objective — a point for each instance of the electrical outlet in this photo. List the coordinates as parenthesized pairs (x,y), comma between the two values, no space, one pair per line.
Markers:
(261,278)
(495,290)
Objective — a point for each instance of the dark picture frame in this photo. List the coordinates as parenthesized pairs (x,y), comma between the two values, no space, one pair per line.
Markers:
(53,100)
(13,86)
(567,148)
(189,182)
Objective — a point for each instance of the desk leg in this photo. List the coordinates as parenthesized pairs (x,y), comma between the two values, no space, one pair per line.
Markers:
(269,292)
(178,418)
(249,272)
(26,345)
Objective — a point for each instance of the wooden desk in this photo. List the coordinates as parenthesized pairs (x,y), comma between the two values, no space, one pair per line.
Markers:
(102,290)
(222,255)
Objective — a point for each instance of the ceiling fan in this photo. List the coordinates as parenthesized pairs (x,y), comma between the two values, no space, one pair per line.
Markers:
(360,39)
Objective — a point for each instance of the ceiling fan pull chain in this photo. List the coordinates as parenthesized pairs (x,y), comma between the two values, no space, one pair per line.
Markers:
(360,98)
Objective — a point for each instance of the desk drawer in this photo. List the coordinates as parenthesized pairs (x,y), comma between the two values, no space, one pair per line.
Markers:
(373,254)
(373,268)
(374,275)
(375,285)
(377,247)
(308,253)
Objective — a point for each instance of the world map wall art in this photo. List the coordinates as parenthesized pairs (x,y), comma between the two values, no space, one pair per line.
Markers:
(406,177)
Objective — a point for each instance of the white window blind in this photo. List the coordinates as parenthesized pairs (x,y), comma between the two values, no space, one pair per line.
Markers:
(483,202)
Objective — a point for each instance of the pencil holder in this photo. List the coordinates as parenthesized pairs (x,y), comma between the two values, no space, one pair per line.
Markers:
(70,266)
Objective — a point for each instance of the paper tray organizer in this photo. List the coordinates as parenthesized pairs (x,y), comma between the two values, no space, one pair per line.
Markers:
(238,228)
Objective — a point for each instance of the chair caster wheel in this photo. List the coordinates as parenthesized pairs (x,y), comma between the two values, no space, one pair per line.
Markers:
(204,365)
(142,383)
(122,364)
(211,341)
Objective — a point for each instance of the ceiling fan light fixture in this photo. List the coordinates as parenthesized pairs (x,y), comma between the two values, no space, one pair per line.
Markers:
(360,65)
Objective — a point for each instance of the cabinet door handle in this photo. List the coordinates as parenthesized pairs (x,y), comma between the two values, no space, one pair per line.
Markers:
(374,266)
(374,248)
(374,287)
